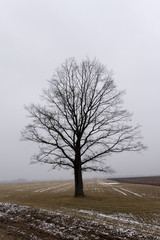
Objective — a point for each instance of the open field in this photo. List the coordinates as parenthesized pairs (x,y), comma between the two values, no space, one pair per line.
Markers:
(152,180)
(47,210)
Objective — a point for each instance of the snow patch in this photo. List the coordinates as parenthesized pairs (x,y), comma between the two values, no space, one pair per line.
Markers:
(120,191)
(136,194)
(108,183)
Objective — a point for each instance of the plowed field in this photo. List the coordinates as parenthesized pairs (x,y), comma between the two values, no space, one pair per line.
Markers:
(47,210)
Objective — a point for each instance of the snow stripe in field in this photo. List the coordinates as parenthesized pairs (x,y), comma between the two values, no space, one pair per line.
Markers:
(136,194)
(120,191)
(46,189)
(109,183)
(57,188)
(63,187)
(43,190)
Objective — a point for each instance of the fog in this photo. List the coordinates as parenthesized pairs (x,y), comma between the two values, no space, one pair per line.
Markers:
(37,36)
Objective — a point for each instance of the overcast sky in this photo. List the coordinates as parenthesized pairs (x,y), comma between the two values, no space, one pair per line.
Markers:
(36,36)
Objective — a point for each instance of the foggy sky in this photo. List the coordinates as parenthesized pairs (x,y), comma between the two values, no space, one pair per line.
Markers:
(37,36)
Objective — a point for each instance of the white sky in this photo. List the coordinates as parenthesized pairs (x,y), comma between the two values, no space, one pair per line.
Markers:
(37,36)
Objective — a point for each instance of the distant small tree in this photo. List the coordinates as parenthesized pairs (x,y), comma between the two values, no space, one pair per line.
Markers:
(81,121)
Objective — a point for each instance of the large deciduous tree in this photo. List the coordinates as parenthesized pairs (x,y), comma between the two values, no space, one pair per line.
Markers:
(81,121)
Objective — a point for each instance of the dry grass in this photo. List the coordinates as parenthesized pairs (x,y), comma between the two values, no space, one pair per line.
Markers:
(101,198)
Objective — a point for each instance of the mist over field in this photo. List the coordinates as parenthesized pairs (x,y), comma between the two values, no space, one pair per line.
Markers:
(37,36)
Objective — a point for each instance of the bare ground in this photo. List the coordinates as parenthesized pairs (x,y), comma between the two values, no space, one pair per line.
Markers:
(111,211)
(152,180)
(25,223)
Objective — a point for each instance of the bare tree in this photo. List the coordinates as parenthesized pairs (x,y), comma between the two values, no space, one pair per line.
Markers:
(81,121)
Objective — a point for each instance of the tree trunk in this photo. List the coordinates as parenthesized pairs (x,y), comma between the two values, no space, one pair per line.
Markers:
(78,182)
(78,176)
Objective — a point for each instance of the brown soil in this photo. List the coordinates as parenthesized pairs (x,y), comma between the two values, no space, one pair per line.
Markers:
(153,180)
(24,223)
